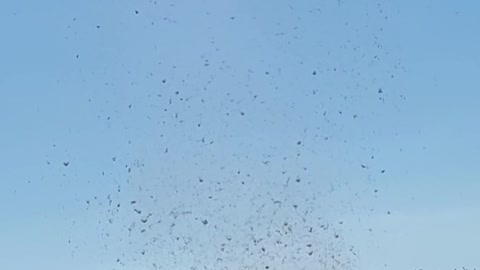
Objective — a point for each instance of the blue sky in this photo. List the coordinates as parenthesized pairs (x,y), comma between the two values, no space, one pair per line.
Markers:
(353,122)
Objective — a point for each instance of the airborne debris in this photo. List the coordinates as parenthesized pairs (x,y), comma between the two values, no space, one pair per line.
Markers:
(260,196)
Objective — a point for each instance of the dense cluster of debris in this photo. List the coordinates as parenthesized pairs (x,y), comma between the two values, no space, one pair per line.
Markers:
(223,156)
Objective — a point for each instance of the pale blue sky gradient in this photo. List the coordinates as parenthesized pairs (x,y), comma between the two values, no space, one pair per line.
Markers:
(94,83)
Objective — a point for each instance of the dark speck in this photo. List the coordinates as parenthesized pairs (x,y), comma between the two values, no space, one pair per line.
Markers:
(66,163)
(205,222)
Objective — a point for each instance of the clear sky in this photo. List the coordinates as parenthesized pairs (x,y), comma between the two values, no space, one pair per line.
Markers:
(207,134)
